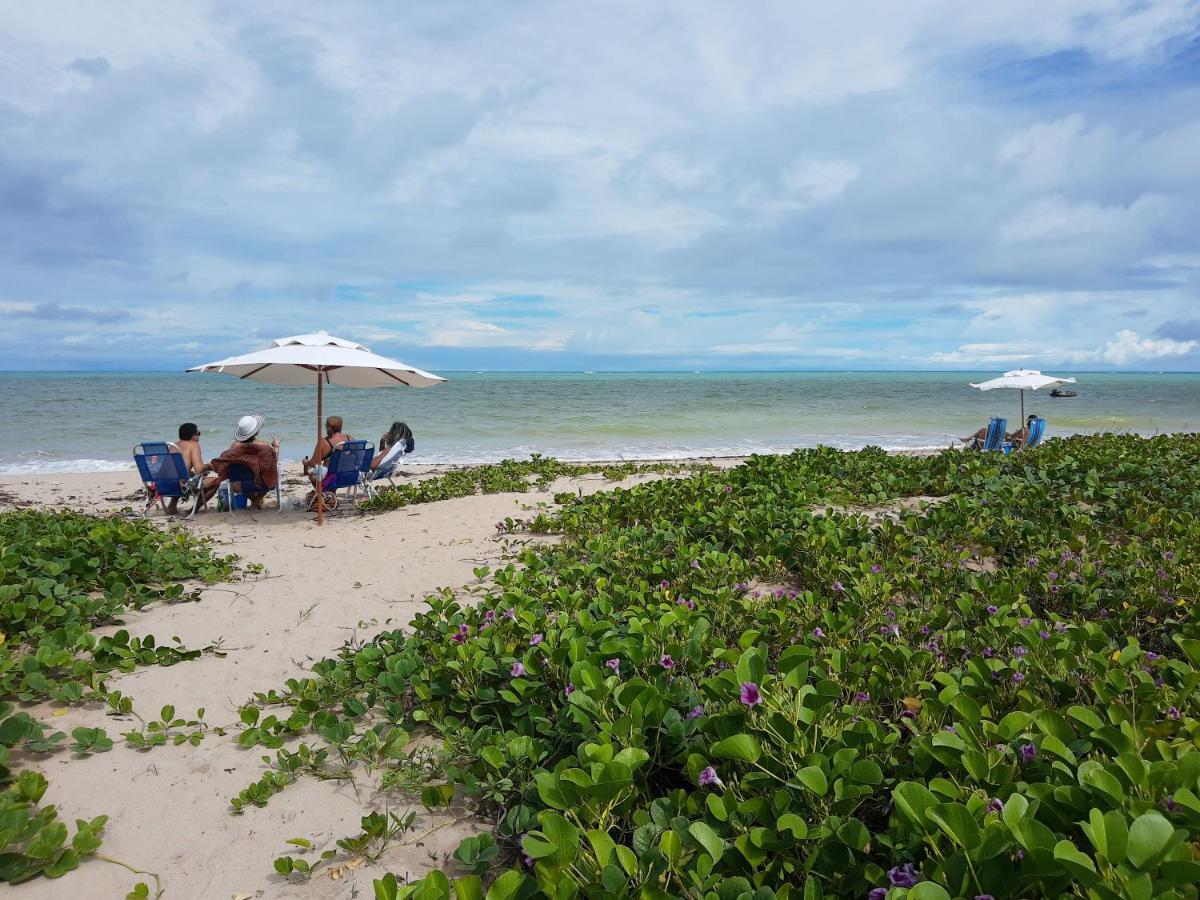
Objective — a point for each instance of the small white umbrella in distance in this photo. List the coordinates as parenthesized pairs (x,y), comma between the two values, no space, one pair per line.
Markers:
(1022,380)
(304,358)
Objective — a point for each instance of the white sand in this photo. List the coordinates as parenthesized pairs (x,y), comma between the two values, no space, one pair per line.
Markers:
(169,807)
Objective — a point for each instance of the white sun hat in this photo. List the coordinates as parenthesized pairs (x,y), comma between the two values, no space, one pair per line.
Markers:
(248,427)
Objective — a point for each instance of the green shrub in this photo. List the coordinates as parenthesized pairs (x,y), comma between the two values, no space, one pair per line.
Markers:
(741,684)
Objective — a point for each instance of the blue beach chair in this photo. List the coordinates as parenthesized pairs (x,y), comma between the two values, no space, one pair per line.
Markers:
(995,434)
(165,475)
(241,483)
(347,463)
(1037,431)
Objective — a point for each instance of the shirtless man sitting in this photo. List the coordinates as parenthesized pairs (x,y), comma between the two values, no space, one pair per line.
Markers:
(189,446)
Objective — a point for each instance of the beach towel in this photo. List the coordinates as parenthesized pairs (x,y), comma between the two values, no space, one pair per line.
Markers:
(258,457)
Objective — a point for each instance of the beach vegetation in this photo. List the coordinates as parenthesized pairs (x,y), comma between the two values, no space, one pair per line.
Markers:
(509,476)
(63,574)
(820,674)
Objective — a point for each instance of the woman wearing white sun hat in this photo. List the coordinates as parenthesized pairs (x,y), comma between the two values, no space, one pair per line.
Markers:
(260,457)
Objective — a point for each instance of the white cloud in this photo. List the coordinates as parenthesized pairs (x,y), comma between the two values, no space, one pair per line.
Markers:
(1129,347)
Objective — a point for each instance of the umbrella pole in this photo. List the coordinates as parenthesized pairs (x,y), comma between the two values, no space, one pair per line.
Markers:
(1022,407)
(320,496)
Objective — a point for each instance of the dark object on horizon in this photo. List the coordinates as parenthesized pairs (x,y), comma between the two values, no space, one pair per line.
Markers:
(1057,393)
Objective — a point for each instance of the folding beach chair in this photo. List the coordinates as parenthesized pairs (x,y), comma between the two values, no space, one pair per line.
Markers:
(165,475)
(241,483)
(346,465)
(995,435)
(386,469)
(1037,431)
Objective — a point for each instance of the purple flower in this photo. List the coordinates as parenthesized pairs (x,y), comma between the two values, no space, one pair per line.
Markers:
(688,603)
(995,805)
(1020,651)
(511,613)
(905,877)
(1169,555)
(1044,634)
(1031,562)
(614,664)
(837,587)
(1020,853)
(695,712)
(1028,753)
(891,614)
(528,860)
(1017,678)
(1053,576)
(877,894)
(818,633)
(518,669)
(875,569)
(1161,573)
(862,697)
(695,564)
(1169,804)
(741,586)
(708,775)
(792,595)
(1173,713)
(779,593)
(988,653)
(461,635)
(924,629)
(1151,655)
(951,729)
(1104,613)
(666,662)
(664,584)
(489,616)
(992,609)
(1026,621)
(750,695)
(1060,627)
(728,489)
(569,689)
(535,640)
(883,629)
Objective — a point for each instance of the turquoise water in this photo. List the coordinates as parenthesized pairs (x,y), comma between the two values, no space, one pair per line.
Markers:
(90,421)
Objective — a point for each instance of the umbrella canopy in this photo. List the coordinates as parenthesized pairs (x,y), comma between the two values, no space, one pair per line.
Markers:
(1022,380)
(321,358)
(296,361)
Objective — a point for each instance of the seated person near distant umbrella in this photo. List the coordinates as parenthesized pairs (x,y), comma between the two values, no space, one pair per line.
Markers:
(316,466)
(261,458)
(1017,438)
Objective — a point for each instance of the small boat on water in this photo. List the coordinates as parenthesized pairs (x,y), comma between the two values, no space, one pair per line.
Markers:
(1060,393)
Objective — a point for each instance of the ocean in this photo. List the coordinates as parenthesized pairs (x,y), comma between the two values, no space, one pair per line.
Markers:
(79,422)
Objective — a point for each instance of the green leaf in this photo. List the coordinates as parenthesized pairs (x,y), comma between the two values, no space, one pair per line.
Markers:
(958,823)
(928,890)
(563,835)
(507,886)
(1148,838)
(814,779)
(1076,862)
(742,747)
(914,801)
(709,839)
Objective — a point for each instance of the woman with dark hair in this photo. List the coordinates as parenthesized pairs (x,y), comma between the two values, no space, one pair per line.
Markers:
(394,443)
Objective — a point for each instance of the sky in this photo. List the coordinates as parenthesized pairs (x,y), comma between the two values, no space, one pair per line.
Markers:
(611,185)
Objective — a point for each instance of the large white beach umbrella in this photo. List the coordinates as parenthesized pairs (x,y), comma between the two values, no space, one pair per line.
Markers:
(1022,380)
(304,358)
